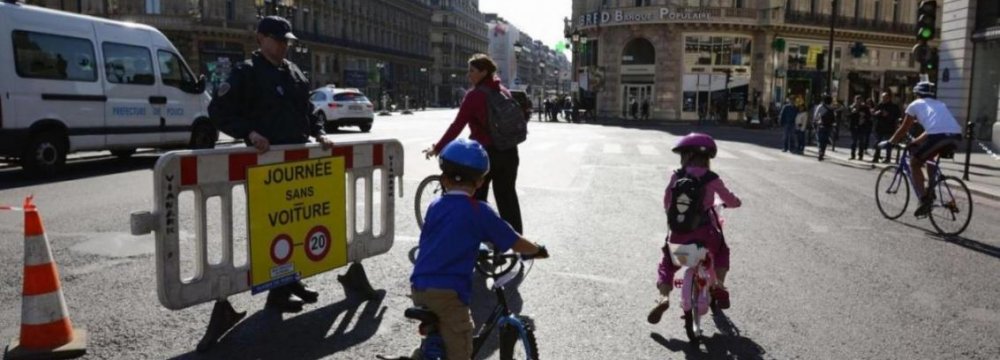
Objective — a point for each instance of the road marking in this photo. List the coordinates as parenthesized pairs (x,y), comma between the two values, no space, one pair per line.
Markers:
(577,148)
(612,149)
(722,154)
(648,150)
(543,146)
(758,155)
(594,278)
(820,229)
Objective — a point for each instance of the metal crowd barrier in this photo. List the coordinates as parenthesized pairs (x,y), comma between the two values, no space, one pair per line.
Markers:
(215,172)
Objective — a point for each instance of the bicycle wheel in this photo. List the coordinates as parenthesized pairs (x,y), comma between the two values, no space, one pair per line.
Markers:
(952,209)
(518,342)
(892,192)
(428,189)
(692,321)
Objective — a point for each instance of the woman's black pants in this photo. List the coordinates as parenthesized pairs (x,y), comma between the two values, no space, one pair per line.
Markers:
(503,175)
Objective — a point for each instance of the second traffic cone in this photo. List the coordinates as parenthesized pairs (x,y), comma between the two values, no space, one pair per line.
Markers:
(46,330)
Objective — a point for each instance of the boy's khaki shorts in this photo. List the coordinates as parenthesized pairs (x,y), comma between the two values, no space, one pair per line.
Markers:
(454,320)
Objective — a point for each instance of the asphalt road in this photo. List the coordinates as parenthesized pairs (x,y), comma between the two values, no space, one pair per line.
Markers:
(817,273)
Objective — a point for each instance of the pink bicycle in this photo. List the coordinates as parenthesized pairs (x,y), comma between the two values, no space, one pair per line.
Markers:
(695,285)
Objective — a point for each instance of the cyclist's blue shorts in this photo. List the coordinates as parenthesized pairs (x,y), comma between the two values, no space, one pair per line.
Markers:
(937,144)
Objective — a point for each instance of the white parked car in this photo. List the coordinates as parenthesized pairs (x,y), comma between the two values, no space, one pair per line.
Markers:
(343,107)
(79,83)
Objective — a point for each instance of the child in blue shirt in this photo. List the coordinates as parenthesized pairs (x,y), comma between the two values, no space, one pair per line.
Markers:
(455,225)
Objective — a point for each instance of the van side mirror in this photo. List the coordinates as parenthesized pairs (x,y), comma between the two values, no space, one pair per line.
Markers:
(195,87)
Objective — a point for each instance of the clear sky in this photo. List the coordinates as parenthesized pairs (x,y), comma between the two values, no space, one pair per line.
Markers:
(540,19)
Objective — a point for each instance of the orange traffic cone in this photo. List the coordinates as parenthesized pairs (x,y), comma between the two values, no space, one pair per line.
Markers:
(46,331)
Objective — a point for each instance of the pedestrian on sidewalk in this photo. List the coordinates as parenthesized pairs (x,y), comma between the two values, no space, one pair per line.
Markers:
(265,101)
(838,110)
(645,109)
(787,121)
(865,129)
(503,163)
(801,123)
(825,119)
(634,109)
(858,107)
(689,202)
(887,116)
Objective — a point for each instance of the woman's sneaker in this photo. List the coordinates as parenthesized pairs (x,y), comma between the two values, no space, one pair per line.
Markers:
(657,313)
(721,297)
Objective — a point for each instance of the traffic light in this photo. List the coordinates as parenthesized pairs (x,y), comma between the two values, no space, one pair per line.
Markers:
(921,53)
(926,15)
(932,60)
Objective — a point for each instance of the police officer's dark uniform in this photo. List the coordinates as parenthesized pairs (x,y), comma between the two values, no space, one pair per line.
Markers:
(274,102)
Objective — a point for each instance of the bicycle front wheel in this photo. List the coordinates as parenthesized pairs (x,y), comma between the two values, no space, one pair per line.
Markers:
(428,189)
(892,192)
(952,209)
(518,342)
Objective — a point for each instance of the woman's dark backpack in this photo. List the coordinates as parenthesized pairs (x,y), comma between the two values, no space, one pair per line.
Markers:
(685,212)
(504,118)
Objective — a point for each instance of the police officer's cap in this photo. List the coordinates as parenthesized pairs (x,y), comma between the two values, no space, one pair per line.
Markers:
(276,27)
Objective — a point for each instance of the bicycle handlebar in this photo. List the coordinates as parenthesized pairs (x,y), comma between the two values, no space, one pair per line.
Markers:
(489,259)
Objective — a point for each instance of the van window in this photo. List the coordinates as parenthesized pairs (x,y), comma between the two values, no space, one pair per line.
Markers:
(55,57)
(172,69)
(127,64)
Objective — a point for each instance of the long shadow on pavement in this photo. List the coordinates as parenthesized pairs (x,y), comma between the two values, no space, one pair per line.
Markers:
(728,344)
(312,335)
(974,245)
(12,177)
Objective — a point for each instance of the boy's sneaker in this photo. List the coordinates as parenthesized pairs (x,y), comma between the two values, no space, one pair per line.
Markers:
(721,297)
(657,313)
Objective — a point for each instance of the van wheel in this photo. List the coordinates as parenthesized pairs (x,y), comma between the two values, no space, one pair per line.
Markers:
(203,136)
(45,153)
(365,127)
(123,153)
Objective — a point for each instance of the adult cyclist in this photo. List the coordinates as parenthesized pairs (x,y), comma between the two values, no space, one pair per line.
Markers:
(941,134)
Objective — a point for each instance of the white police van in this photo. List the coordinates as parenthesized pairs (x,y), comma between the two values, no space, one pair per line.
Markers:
(71,82)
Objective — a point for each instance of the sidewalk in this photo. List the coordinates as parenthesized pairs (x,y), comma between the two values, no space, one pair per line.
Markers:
(984,169)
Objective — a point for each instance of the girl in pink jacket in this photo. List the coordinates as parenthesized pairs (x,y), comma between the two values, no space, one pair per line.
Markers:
(696,151)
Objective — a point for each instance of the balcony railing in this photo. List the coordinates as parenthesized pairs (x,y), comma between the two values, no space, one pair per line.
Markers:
(851,23)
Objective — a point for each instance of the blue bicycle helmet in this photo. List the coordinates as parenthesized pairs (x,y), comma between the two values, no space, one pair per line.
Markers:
(464,159)
(924,89)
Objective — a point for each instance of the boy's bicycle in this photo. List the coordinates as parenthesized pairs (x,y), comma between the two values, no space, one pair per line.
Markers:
(952,202)
(517,332)
(699,277)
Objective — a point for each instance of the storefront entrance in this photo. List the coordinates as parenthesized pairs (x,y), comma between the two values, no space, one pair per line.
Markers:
(635,93)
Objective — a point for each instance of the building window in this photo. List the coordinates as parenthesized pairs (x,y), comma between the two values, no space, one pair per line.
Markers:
(55,57)
(230,10)
(152,6)
(716,50)
(812,6)
(895,12)
(857,9)
(127,64)
(878,10)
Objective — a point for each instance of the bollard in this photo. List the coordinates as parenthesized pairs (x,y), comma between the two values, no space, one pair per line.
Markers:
(969,126)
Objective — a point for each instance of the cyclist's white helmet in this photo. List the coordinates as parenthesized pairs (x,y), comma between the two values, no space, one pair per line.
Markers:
(924,88)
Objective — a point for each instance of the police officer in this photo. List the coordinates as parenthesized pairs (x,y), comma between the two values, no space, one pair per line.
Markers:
(265,101)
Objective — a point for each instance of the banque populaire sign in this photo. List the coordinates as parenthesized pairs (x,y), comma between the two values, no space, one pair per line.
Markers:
(641,16)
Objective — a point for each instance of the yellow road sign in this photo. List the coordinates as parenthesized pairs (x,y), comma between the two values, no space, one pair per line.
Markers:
(298,220)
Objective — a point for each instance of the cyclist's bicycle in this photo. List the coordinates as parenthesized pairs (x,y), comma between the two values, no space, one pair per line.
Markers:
(695,285)
(952,203)
(428,189)
(517,332)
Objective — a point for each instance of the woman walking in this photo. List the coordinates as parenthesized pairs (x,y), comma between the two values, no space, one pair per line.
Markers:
(503,163)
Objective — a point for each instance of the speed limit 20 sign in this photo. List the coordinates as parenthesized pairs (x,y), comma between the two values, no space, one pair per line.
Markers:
(297,220)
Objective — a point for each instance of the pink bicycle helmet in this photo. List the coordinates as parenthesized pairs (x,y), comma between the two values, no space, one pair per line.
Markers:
(698,143)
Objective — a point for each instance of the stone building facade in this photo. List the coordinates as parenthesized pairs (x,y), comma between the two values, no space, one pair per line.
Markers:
(725,59)
(378,46)
(458,30)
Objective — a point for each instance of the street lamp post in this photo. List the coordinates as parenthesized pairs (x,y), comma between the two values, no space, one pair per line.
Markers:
(829,62)
(453,100)
(381,93)
(541,64)
(423,90)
